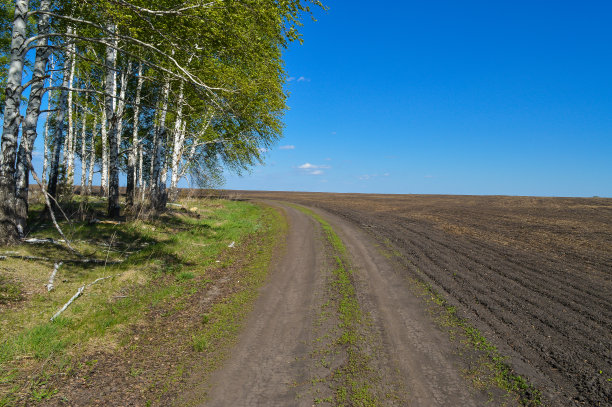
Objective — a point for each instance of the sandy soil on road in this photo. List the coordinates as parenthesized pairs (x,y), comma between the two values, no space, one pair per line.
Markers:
(274,362)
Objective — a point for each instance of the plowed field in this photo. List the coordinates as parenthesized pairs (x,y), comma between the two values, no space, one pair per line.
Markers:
(533,274)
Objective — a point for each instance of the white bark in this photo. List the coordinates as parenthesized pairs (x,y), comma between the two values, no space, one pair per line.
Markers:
(104,176)
(121,107)
(177,145)
(52,277)
(132,155)
(83,152)
(70,301)
(158,182)
(113,114)
(141,184)
(28,134)
(92,155)
(12,122)
(60,132)
(47,120)
(69,149)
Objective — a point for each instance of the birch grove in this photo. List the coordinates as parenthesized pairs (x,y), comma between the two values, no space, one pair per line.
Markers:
(142,94)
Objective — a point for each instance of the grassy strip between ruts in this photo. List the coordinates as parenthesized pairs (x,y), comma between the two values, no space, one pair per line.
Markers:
(490,369)
(353,381)
(176,260)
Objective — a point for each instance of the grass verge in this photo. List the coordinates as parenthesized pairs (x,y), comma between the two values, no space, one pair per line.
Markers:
(171,265)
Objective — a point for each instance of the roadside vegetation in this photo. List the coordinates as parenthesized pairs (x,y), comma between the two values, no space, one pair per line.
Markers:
(170,290)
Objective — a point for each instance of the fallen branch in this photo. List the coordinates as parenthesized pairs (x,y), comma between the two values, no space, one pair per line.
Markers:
(52,278)
(34,240)
(78,261)
(22,257)
(70,301)
(95,261)
(77,295)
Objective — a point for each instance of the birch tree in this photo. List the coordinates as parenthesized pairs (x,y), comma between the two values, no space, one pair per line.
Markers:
(9,231)
(227,91)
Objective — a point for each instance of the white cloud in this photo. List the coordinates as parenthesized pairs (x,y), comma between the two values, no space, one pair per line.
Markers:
(291,78)
(303,79)
(288,147)
(263,150)
(309,166)
(334,133)
(313,169)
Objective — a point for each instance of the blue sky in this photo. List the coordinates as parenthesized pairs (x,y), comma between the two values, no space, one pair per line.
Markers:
(447,97)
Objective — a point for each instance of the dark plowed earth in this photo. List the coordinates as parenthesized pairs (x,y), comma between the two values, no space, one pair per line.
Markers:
(534,274)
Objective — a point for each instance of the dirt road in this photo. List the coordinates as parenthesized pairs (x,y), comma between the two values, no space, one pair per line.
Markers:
(277,360)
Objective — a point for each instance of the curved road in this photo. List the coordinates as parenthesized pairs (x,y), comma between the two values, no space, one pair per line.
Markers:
(274,362)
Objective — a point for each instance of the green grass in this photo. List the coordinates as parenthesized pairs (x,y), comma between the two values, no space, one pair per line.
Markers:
(9,291)
(353,380)
(171,258)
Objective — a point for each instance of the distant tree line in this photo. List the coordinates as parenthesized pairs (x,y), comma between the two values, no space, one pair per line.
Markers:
(151,89)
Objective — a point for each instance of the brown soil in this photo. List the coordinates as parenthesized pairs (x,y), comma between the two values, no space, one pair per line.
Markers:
(533,274)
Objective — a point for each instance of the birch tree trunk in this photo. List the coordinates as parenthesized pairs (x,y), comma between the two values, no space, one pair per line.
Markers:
(83,153)
(177,145)
(60,134)
(45,149)
(12,120)
(121,106)
(69,150)
(46,131)
(92,155)
(112,114)
(131,168)
(158,193)
(28,137)
(104,161)
(140,172)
